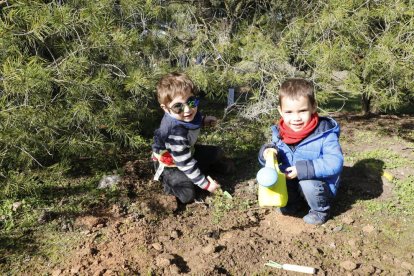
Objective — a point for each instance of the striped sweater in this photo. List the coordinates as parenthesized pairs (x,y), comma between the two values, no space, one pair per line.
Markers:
(177,138)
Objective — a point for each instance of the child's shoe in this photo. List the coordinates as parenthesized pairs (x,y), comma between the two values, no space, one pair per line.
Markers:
(315,218)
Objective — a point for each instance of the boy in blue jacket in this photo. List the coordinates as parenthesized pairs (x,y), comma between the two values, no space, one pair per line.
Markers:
(308,151)
(180,163)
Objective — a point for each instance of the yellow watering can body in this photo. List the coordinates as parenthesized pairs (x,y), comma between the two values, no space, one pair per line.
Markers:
(274,195)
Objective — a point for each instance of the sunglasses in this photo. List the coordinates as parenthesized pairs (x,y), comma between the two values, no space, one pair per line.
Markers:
(192,102)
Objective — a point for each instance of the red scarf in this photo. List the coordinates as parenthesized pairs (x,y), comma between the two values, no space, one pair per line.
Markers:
(292,137)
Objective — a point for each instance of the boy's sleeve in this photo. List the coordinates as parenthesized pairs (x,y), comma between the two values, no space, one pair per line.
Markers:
(178,145)
(330,163)
(262,161)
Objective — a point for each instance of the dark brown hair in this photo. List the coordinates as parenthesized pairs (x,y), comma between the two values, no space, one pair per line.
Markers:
(173,85)
(296,88)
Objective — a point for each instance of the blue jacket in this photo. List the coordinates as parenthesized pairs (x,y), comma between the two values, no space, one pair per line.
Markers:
(317,157)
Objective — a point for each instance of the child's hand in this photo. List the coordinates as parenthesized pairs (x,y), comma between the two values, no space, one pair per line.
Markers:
(291,172)
(268,151)
(210,121)
(213,185)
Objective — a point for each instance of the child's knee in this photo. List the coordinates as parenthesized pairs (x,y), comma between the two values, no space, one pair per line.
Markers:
(316,193)
(185,195)
(315,189)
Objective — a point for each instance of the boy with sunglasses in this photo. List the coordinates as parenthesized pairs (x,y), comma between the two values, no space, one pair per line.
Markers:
(178,161)
(308,151)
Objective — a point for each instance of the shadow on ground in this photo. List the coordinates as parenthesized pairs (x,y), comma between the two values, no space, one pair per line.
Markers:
(362,181)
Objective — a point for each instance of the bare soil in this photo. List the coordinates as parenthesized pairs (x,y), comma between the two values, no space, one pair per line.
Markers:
(156,236)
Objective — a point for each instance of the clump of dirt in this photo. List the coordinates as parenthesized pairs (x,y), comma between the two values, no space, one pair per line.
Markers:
(157,236)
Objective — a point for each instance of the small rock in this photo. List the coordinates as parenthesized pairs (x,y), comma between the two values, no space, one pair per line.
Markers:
(210,248)
(157,246)
(227,236)
(108,181)
(337,228)
(164,260)
(368,228)
(76,269)
(332,245)
(174,234)
(367,269)
(348,220)
(407,265)
(16,205)
(57,272)
(348,265)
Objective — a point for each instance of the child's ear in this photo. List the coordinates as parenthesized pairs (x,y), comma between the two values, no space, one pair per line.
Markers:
(279,109)
(164,107)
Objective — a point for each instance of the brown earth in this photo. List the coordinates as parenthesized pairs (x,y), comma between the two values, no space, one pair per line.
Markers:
(219,236)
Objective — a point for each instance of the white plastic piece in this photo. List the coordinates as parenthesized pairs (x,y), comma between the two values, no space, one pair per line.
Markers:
(299,268)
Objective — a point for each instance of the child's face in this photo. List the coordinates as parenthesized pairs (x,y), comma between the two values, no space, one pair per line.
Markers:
(296,113)
(183,108)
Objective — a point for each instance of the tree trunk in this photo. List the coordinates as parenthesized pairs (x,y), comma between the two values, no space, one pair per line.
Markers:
(366,103)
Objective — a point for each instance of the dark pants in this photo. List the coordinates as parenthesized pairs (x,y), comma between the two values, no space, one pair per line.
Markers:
(175,182)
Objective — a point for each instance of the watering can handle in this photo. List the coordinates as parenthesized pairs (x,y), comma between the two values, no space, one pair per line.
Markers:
(271,160)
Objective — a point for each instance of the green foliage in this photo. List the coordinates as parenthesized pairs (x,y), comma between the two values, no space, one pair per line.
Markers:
(221,205)
(77,78)
(405,195)
(401,204)
(370,42)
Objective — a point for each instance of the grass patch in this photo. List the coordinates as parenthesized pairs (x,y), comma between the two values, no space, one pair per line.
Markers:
(49,248)
(380,159)
(405,195)
(333,102)
(35,205)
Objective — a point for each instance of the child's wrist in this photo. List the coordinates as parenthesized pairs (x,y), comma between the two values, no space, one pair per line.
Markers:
(212,185)
(207,186)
